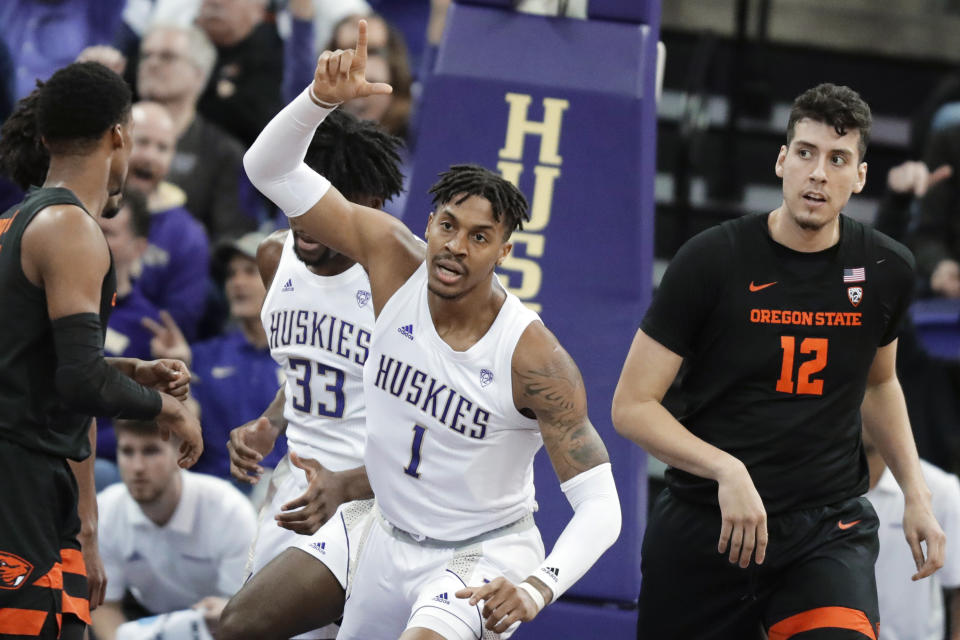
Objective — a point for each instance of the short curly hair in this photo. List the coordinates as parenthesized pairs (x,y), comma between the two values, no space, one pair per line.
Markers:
(840,107)
(78,104)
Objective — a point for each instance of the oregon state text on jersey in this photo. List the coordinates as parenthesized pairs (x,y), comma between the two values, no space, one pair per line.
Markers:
(318,329)
(782,342)
(448,454)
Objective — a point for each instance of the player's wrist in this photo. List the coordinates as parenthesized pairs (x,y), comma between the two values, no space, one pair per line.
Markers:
(324,102)
(539,601)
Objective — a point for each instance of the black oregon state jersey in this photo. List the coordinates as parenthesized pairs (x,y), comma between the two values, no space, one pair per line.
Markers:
(31,412)
(777,346)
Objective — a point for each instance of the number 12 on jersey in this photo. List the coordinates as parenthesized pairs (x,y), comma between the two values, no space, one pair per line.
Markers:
(805,385)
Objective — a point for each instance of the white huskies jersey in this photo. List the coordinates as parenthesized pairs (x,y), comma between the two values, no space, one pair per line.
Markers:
(448,454)
(318,329)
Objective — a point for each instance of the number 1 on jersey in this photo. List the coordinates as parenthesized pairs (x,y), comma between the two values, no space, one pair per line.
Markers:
(411,469)
(818,346)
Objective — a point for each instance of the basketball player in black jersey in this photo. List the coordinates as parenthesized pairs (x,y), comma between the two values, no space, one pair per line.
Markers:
(787,324)
(57,285)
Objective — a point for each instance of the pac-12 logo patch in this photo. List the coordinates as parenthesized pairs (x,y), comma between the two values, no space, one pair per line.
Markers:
(363,297)
(855,294)
(486,377)
(14,571)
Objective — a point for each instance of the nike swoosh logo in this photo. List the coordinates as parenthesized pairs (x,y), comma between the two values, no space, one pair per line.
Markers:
(758,287)
(846,525)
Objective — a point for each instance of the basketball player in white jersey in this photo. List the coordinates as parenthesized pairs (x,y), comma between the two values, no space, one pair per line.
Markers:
(318,318)
(463,384)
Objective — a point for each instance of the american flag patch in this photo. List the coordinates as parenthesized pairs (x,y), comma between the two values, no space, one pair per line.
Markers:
(857,274)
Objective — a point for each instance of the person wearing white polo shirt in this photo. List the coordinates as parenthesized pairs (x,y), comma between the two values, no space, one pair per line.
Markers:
(914,610)
(170,539)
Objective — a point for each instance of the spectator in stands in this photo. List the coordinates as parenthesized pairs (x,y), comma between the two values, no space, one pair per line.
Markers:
(44,36)
(914,609)
(176,263)
(244,90)
(234,377)
(174,67)
(170,539)
(127,236)
(935,231)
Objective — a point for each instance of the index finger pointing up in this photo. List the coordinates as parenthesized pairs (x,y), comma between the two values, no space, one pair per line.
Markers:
(361,58)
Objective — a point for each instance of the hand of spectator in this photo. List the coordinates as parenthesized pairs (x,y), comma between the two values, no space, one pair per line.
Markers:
(341,75)
(168,341)
(945,279)
(914,177)
(96,573)
(249,444)
(744,518)
(176,419)
(106,55)
(504,603)
(920,525)
(211,607)
(169,376)
(325,492)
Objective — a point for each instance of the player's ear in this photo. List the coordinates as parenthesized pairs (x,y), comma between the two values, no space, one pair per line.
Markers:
(504,252)
(781,157)
(861,178)
(426,232)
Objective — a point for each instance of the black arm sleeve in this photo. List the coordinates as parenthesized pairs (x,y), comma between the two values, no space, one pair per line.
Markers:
(87,383)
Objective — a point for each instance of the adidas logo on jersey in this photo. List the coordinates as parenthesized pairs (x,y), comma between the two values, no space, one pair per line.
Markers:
(553,572)
(406,331)
(363,297)
(288,285)
(441,598)
(320,546)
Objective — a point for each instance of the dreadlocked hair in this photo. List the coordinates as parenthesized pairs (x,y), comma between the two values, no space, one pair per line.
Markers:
(464,180)
(23,158)
(357,157)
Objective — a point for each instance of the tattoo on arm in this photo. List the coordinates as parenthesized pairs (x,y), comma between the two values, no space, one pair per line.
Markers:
(556,395)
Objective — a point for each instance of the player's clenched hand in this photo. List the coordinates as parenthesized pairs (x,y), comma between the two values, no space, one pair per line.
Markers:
(325,492)
(248,445)
(341,75)
(176,419)
(504,604)
(96,572)
(744,526)
(920,525)
(169,376)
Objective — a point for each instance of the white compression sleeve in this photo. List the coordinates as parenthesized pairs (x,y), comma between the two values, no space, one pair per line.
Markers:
(594,526)
(275,164)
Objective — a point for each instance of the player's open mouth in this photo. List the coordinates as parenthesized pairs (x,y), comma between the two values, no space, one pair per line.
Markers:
(815,198)
(305,244)
(448,272)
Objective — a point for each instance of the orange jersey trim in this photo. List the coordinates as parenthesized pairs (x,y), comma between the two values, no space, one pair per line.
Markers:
(73,561)
(79,607)
(820,618)
(21,622)
(53,579)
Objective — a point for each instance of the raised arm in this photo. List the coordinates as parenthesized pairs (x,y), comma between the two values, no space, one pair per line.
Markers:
(381,243)
(548,386)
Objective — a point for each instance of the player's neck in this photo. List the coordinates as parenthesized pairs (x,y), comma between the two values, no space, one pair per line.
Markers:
(461,322)
(332,267)
(84,176)
(785,230)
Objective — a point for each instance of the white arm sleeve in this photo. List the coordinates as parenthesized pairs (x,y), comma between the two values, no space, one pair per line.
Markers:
(274,163)
(594,526)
